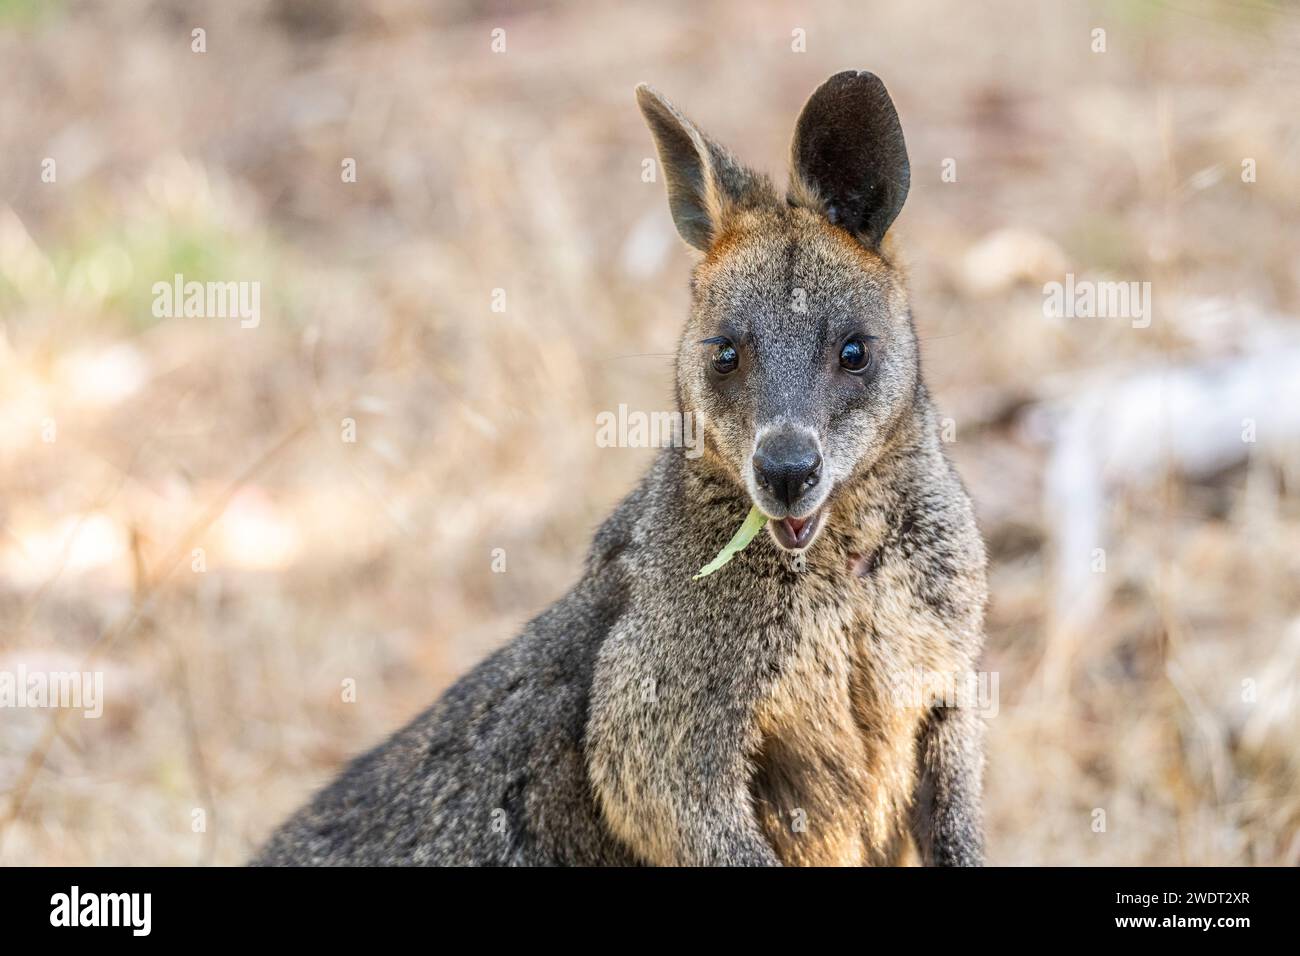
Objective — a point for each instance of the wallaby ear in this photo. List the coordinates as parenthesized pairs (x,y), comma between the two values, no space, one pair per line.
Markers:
(849,157)
(703,179)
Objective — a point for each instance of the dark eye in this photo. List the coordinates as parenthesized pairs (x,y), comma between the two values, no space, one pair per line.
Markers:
(726,359)
(854,356)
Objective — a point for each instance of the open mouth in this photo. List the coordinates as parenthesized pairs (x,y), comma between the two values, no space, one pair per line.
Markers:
(795,534)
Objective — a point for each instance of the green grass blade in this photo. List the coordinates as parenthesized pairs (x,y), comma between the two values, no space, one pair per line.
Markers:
(753,524)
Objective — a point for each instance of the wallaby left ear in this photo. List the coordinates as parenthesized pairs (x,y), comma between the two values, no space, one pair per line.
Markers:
(849,157)
(704,180)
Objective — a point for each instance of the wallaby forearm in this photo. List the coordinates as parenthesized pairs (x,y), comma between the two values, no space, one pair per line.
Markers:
(667,740)
(947,818)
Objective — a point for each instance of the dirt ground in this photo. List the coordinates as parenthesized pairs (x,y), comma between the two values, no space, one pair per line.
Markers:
(182,503)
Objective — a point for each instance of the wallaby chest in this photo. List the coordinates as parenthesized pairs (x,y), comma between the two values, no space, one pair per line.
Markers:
(836,771)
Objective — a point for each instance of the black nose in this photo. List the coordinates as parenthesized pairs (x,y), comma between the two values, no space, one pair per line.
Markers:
(787,464)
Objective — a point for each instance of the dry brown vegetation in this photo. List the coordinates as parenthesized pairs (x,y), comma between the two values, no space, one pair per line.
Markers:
(1165,696)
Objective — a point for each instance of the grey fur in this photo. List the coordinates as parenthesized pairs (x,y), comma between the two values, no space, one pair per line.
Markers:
(750,717)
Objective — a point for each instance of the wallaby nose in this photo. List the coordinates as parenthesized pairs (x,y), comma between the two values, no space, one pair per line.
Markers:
(787,463)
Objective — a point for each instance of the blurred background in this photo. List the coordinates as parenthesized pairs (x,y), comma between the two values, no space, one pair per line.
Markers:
(238,525)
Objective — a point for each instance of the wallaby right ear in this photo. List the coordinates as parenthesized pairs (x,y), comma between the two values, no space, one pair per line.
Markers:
(702,178)
(849,158)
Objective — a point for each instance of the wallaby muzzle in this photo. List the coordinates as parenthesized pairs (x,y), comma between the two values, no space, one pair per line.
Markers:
(788,484)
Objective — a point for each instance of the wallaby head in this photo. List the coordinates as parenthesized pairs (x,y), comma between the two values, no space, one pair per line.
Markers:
(799,352)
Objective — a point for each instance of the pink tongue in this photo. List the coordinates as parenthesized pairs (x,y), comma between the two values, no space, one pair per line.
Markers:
(796,524)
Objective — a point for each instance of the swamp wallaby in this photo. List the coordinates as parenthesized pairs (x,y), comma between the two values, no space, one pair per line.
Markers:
(751,716)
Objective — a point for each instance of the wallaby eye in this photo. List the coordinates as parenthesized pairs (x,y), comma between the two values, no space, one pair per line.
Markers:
(855,356)
(726,359)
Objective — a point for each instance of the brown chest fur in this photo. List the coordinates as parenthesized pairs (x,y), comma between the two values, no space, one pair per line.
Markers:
(836,771)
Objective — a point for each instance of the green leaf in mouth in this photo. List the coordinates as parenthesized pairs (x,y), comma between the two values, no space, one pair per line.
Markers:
(752,525)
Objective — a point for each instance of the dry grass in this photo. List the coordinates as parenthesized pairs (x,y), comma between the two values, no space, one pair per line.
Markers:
(371,561)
